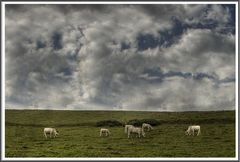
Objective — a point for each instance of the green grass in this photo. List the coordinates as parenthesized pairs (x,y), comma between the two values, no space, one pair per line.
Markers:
(79,137)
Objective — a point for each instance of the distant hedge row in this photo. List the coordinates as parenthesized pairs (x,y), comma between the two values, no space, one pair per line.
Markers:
(154,122)
(139,122)
(110,123)
(135,122)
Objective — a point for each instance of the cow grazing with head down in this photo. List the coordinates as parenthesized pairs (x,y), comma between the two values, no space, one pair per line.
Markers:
(52,132)
(147,126)
(191,130)
(104,131)
(136,130)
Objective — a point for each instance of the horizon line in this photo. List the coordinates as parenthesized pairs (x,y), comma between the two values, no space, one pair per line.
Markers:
(56,109)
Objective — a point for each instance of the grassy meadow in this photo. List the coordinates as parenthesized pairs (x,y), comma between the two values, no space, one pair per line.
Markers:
(79,135)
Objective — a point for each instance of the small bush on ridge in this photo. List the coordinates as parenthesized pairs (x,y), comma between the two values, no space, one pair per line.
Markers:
(139,122)
(110,123)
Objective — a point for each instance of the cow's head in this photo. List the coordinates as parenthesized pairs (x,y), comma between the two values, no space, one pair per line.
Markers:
(56,132)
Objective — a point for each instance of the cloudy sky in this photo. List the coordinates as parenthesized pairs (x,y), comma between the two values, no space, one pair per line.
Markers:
(161,57)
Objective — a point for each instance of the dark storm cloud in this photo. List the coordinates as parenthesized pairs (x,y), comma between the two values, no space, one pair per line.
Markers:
(145,57)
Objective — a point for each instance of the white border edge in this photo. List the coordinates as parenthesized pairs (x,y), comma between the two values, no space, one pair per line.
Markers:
(3,81)
(109,159)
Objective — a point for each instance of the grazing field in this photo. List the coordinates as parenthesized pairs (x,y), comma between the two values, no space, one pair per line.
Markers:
(79,135)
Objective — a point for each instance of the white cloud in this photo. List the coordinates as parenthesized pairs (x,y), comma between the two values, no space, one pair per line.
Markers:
(201,51)
(85,67)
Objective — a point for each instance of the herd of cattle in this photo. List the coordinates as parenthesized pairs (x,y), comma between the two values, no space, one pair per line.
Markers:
(129,130)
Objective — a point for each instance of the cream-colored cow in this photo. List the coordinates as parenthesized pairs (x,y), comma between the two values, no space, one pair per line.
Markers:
(191,129)
(52,132)
(104,131)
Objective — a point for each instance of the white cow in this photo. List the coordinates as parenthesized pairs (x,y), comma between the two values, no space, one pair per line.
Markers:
(51,131)
(192,129)
(148,126)
(136,130)
(104,131)
(127,127)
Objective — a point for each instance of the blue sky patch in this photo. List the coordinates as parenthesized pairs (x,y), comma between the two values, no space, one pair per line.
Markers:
(57,41)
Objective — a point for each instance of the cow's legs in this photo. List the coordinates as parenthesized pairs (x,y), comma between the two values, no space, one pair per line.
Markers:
(198,132)
(192,132)
(45,135)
